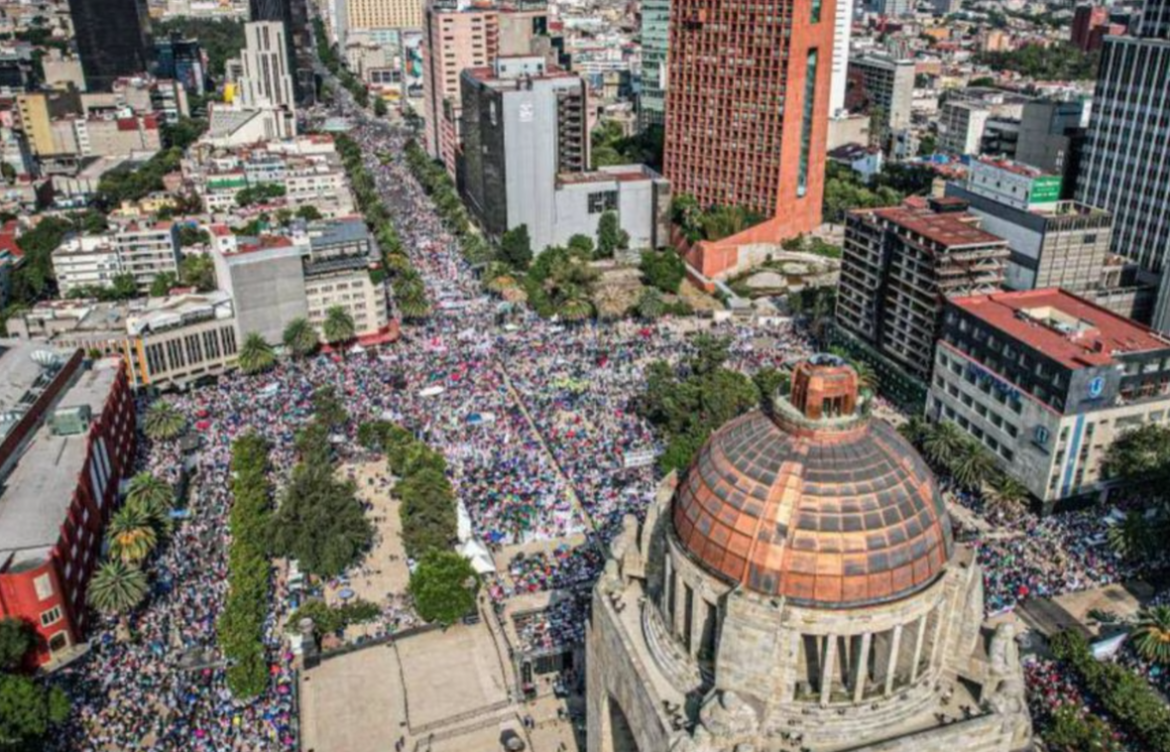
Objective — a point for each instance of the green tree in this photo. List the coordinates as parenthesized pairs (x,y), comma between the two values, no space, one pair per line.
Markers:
(309,213)
(1071,731)
(1133,538)
(192,235)
(443,587)
(516,248)
(116,588)
(163,283)
(197,270)
(771,382)
(943,444)
(582,244)
(163,422)
(151,494)
(320,522)
(338,327)
(1140,454)
(380,108)
(663,269)
(124,287)
(608,234)
(256,355)
(16,639)
(28,712)
(300,337)
(1006,493)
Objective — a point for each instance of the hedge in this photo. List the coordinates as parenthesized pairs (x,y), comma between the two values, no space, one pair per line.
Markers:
(1124,695)
(241,624)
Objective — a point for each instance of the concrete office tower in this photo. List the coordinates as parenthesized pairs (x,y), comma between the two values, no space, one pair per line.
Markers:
(268,79)
(655,73)
(748,104)
(111,39)
(523,126)
(881,81)
(842,33)
(1053,243)
(1126,166)
(384,14)
(1052,138)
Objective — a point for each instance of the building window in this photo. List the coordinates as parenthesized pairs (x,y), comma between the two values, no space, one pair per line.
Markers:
(52,616)
(602,201)
(810,89)
(44,584)
(816,11)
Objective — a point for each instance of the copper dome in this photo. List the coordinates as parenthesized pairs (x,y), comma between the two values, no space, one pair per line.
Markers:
(832,513)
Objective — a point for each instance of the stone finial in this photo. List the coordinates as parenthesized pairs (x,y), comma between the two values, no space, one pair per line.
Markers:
(727,714)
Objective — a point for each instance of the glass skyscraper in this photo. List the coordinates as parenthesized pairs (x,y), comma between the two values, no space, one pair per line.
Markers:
(111,39)
(655,41)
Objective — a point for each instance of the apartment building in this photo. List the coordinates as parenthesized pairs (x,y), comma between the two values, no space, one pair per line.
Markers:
(881,82)
(899,266)
(83,261)
(147,249)
(961,127)
(1047,382)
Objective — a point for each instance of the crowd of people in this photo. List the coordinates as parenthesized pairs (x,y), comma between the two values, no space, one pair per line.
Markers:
(542,443)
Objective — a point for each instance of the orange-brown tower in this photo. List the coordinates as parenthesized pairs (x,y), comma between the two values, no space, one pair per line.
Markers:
(747,106)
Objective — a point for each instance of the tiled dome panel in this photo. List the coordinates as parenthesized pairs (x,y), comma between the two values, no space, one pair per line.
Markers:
(836,520)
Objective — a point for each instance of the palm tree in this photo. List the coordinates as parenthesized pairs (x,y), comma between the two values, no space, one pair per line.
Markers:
(972,465)
(413,304)
(164,422)
(116,588)
(131,534)
(943,443)
(1006,493)
(576,308)
(866,378)
(915,430)
(1133,537)
(151,494)
(1151,634)
(610,301)
(338,327)
(300,337)
(256,354)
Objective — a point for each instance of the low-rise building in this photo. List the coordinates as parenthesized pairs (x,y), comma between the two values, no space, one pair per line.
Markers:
(276,279)
(1047,382)
(961,127)
(143,250)
(66,441)
(898,267)
(165,342)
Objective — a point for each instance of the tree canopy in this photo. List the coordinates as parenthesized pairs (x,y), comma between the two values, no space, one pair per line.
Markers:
(443,587)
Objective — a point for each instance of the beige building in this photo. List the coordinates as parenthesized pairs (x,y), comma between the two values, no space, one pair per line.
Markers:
(384,14)
(800,589)
(165,341)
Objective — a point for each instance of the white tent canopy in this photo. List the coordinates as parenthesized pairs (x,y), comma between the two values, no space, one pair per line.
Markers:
(477,554)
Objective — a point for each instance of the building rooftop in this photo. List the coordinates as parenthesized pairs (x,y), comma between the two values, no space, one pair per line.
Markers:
(1016,168)
(179,310)
(36,494)
(950,229)
(1071,330)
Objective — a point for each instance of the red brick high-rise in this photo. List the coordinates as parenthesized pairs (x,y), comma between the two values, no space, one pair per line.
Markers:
(748,105)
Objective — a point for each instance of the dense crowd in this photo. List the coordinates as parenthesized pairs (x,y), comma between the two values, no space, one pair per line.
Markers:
(542,443)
